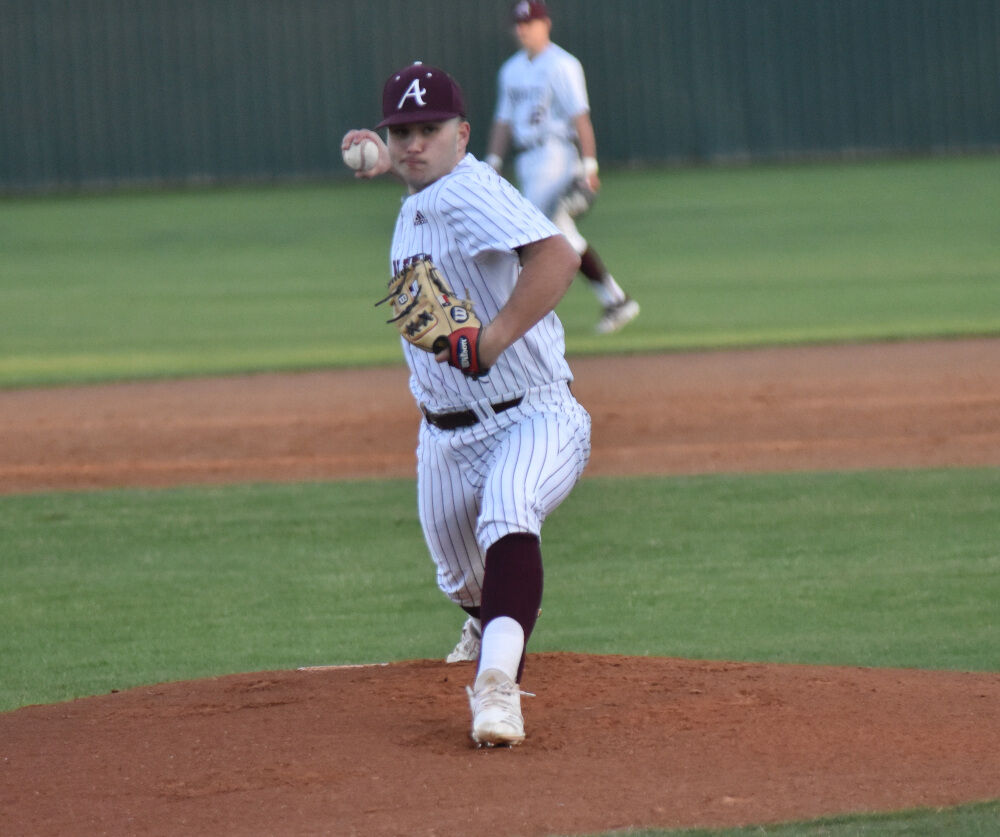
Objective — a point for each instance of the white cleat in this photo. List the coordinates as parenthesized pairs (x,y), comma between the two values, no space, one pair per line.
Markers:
(496,710)
(618,316)
(469,643)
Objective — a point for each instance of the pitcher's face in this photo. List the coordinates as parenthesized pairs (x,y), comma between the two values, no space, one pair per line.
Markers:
(422,152)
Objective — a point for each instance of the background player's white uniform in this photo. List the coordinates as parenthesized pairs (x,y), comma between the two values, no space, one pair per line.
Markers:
(508,471)
(539,98)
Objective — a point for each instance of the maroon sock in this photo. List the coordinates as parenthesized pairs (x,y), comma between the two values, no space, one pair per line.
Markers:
(512,585)
(592,267)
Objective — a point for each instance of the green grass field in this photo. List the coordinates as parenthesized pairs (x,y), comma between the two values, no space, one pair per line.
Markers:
(129,285)
(106,590)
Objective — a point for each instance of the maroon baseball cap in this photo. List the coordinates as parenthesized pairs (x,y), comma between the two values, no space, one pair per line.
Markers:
(420,93)
(526,10)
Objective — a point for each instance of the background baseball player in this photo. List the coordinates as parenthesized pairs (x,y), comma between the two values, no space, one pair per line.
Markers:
(543,109)
(503,441)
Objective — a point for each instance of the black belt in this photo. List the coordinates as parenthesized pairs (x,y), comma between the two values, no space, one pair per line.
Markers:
(464,418)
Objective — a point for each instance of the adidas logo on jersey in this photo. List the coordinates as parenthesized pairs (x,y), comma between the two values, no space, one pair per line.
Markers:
(419,219)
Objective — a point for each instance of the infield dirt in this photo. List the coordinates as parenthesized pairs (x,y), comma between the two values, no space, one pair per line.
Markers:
(613,741)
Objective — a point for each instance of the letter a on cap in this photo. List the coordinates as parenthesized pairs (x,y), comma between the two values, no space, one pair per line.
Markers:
(416,92)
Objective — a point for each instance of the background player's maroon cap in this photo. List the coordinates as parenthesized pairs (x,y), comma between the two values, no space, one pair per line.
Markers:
(420,93)
(526,10)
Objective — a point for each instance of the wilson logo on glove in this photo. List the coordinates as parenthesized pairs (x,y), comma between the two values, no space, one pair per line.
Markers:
(463,353)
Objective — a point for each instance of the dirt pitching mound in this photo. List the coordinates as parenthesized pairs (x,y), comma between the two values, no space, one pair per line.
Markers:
(613,742)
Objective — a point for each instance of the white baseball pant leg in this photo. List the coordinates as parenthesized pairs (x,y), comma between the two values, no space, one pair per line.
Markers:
(502,476)
(546,173)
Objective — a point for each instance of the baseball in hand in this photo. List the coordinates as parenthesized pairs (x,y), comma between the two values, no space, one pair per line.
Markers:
(361,156)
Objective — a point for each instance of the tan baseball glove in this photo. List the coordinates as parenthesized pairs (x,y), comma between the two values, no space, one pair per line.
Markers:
(430,316)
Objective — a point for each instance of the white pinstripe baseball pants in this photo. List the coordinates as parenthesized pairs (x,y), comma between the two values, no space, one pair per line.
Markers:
(505,474)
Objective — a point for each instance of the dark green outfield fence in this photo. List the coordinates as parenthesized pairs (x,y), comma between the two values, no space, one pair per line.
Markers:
(97,92)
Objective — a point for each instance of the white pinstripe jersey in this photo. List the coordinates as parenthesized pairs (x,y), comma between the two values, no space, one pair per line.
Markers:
(540,97)
(469,222)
